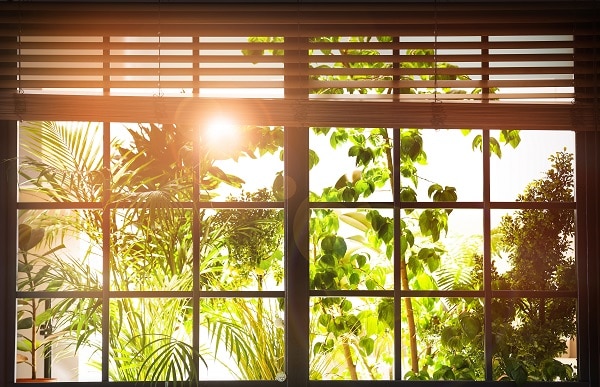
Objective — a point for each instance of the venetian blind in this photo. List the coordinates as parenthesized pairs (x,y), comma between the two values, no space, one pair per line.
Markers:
(526,65)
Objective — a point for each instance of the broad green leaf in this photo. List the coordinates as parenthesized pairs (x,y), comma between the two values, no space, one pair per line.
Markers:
(29,237)
(444,373)
(385,312)
(433,188)
(24,344)
(346,306)
(25,323)
(313,159)
(450,337)
(367,344)
(471,326)
(357,220)
(408,194)
(324,319)
(327,260)
(361,260)
(495,147)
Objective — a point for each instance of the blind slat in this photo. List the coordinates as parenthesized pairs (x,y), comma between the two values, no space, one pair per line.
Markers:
(297,113)
(278,71)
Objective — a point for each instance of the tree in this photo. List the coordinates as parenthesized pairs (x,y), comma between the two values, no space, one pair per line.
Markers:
(531,332)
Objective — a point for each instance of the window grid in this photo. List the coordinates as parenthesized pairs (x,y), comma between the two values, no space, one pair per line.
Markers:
(298,173)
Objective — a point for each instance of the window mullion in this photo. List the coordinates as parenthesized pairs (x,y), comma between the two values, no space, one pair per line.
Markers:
(8,243)
(196,234)
(296,226)
(487,259)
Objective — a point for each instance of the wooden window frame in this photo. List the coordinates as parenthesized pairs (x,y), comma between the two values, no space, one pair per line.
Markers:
(297,116)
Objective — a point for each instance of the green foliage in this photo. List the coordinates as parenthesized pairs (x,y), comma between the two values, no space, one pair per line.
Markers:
(253,238)
(151,241)
(508,137)
(252,333)
(45,322)
(538,244)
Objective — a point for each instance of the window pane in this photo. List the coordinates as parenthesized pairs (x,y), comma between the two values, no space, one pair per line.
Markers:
(245,337)
(447,343)
(242,249)
(443,249)
(59,250)
(351,338)
(151,339)
(238,162)
(535,155)
(348,253)
(532,338)
(534,249)
(151,248)
(57,338)
(350,164)
(60,162)
(441,165)
(150,159)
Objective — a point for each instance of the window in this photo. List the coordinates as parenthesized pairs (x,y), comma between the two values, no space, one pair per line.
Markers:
(295,192)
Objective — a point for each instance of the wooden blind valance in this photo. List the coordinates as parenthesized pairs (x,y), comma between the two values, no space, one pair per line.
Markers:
(531,65)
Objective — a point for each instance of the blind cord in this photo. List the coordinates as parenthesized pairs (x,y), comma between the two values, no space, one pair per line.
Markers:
(435,60)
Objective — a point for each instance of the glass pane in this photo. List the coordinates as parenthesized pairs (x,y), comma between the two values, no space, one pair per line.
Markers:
(152,157)
(60,162)
(534,339)
(242,249)
(244,338)
(149,158)
(351,338)
(351,249)
(444,336)
(57,338)
(151,247)
(350,164)
(442,249)
(440,165)
(59,250)
(241,163)
(534,249)
(151,340)
(539,156)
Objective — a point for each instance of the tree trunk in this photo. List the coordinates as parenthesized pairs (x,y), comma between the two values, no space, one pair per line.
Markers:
(410,317)
(349,363)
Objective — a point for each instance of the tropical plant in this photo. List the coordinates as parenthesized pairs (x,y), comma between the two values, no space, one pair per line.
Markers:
(252,332)
(63,165)
(50,321)
(33,315)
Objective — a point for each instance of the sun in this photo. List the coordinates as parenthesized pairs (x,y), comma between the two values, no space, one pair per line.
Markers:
(221,135)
